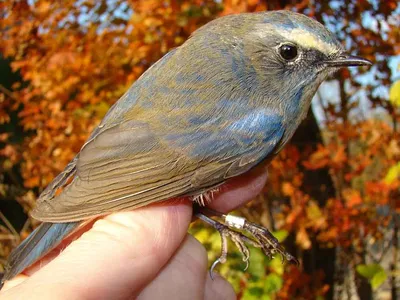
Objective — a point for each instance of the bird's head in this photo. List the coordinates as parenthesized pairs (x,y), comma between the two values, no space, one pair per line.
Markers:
(285,54)
(298,47)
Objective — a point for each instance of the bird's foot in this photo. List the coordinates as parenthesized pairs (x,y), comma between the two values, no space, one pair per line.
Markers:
(261,237)
(268,243)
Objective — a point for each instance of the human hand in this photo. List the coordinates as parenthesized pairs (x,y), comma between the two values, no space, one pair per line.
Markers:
(143,254)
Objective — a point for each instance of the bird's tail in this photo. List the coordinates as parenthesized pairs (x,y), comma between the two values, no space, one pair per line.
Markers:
(40,242)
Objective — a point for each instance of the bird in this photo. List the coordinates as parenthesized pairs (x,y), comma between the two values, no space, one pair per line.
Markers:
(224,102)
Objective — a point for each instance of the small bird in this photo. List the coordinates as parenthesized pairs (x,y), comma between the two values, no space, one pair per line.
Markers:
(225,101)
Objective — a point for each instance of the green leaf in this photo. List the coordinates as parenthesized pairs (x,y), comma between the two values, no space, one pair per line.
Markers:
(374,273)
(215,241)
(202,235)
(253,293)
(276,265)
(394,94)
(273,283)
(281,235)
(393,174)
(369,271)
(256,263)
(378,279)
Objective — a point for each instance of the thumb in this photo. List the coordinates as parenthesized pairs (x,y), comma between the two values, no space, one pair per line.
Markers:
(119,255)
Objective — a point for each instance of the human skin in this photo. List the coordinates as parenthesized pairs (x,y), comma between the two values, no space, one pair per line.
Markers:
(141,254)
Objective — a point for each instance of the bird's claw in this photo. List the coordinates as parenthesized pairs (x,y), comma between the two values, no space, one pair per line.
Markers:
(247,264)
(262,238)
(268,243)
(239,240)
(215,263)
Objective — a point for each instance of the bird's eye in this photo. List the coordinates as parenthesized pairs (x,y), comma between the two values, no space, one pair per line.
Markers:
(288,51)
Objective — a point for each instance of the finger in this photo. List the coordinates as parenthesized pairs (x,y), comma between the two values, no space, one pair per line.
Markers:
(239,190)
(117,257)
(16,281)
(59,248)
(184,275)
(187,274)
(218,288)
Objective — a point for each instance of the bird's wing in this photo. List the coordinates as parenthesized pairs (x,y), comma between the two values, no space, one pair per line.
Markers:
(132,164)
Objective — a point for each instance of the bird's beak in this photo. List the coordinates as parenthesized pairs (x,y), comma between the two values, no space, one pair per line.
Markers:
(345,60)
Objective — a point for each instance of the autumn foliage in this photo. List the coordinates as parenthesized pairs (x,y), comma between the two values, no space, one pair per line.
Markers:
(76,58)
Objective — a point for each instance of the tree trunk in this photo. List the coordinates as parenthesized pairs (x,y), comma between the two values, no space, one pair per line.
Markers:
(318,184)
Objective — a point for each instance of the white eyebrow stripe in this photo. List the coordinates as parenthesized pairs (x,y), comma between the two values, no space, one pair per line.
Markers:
(308,40)
(301,37)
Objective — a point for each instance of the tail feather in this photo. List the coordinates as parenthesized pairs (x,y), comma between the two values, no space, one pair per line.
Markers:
(40,242)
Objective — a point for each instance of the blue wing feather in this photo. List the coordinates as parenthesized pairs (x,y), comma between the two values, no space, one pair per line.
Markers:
(254,131)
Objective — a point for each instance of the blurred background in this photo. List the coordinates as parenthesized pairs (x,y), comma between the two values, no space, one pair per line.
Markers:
(333,194)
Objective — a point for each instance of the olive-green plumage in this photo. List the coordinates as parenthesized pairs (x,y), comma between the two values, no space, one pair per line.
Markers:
(229,98)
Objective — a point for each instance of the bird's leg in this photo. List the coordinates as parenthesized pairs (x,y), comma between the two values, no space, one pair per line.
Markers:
(238,238)
(262,237)
(269,244)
